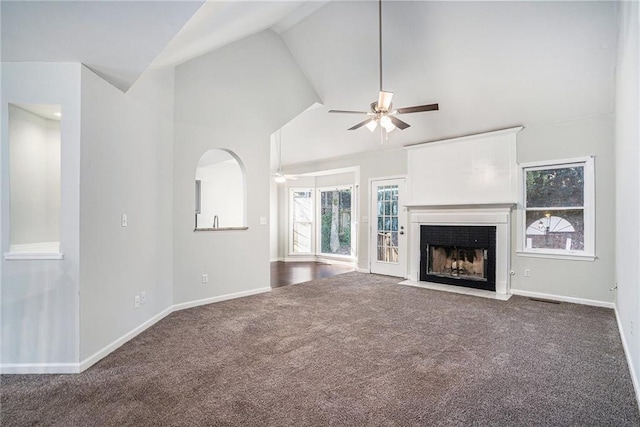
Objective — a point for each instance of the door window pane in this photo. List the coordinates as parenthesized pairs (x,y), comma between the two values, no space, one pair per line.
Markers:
(387,241)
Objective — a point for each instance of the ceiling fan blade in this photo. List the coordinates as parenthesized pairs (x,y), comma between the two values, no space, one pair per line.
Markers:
(384,100)
(348,112)
(399,123)
(417,109)
(359,125)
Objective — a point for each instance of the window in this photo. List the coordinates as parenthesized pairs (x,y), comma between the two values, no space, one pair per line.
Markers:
(557,218)
(301,203)
(335,216)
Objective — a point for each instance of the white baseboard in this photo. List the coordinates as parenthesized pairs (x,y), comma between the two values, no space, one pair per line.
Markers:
(300,259)
(562,298)
(332,261)
(39,368)
(219,298)
(74,368)
(362,270)
(634,374)
(105,351)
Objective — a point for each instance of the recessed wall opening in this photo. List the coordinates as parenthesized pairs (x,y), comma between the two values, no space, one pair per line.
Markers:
(220,192)
(34,163)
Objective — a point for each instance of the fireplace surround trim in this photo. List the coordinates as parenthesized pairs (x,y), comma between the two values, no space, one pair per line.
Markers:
(498,215)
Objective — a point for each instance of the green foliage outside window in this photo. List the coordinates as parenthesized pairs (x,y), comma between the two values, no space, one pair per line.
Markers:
(335,214)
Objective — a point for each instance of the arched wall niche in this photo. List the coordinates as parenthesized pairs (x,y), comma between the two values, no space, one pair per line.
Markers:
(220,192)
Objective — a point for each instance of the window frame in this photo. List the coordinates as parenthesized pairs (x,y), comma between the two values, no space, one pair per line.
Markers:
(588,253)
(318,224)
(291,224)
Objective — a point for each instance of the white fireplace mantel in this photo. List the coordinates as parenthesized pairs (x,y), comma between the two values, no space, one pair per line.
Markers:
(491,214)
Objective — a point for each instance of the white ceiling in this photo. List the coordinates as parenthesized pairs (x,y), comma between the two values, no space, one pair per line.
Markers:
(489,65)
(218,23)
(117,40)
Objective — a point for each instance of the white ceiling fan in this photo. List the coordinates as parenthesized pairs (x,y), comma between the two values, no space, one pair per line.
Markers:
(382,112)
(278,176)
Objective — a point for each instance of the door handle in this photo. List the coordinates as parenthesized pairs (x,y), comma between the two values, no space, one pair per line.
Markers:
(401,232)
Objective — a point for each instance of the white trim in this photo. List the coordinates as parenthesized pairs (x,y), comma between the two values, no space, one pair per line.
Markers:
(39,368)
(295,258)
(457,290)
(403,220)
(363,270)
(74,368)
(588,207)
(625,347)
(219,298)
(552,255)
(507,131)
(325,259)
(109,348)
(562,298)
(478,216)
(25,256)
(556,164)
(318,220)
(290,222)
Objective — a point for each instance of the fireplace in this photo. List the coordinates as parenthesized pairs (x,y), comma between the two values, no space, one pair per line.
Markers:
(458,255)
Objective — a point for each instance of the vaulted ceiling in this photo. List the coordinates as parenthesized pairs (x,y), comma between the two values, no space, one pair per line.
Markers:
(489,65)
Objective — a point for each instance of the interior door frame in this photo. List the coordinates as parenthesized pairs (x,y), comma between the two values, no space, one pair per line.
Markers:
(402,212)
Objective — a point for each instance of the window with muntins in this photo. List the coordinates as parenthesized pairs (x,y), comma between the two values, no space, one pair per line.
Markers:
(558,208)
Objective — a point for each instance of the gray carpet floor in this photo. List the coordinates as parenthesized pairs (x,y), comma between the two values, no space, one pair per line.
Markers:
(351,350)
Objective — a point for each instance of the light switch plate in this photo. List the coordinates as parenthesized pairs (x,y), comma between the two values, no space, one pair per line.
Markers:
(124,220)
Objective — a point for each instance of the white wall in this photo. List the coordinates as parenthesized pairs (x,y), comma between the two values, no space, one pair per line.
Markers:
(233,98)
(580,279)
(35,177)
(627,177)
(127,146)
(40,298)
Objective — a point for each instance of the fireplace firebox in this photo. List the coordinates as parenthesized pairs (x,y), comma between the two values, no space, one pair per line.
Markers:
(458,255)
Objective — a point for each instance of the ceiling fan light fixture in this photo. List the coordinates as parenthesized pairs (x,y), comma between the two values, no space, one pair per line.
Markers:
(280,179)
(386,123)
(382,110)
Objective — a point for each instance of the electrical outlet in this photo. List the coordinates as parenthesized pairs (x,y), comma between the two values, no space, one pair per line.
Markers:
(136,301)
(205,278)
(527,272)
(124,221)
(143,297)
(263,220)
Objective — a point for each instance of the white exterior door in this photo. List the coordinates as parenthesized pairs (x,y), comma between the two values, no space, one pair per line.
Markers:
(388,228)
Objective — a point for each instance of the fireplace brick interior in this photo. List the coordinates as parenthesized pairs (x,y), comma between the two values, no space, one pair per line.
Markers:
(458,255)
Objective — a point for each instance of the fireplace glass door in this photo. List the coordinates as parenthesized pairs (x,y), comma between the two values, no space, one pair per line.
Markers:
(452,261)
